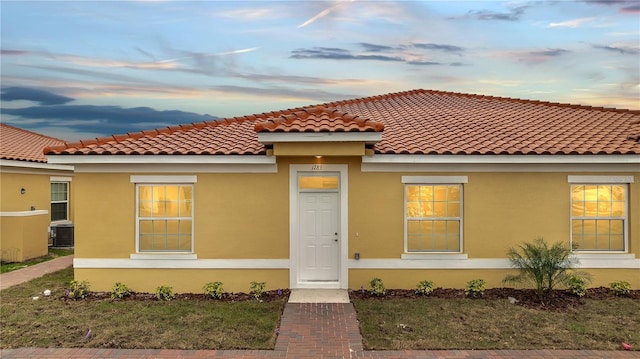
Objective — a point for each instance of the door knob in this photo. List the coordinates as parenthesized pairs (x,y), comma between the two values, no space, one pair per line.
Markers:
(335,240)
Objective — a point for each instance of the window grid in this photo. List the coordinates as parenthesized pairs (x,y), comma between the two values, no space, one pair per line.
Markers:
(59,201)
(433,218)
(165,218)
(598,217)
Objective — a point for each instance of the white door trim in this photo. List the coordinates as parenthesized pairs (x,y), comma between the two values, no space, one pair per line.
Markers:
(343,209)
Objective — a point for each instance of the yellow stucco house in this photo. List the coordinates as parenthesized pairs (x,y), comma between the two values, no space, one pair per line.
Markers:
(34,195)
(403,186)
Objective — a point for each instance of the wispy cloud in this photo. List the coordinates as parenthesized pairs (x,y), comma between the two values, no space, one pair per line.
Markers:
(412,54)
(572,23)
(622,49)
(322,14)
(512,14)
(31,94)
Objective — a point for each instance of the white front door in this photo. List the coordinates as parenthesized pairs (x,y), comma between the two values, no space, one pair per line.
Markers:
(319,236)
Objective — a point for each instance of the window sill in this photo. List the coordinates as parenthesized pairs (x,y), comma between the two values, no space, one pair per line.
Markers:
(435,256)
(603,255)
(164,256)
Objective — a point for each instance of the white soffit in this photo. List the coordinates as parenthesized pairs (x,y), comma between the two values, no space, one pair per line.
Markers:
(502,159)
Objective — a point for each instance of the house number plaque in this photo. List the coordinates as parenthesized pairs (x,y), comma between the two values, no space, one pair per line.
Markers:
(316,167)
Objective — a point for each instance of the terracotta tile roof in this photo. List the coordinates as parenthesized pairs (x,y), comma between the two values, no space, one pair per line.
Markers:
(411,122)
(22,145)
(318,119)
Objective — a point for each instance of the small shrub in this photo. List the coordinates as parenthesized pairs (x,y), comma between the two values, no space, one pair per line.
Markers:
(213,290)
(377,287)
(78,290)
(257,289)
(424,287)
(164,293)
(120,290)
(620,288)
(577,286)
(545,266)
(475,288)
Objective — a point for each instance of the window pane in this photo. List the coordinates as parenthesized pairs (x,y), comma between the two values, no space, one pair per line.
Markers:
(413,228)
(440,209)
(146,227)
(616,227)
(577,209)
(440,227)
(591,193)
(58,211)
(453,228)
(604,193)
(318,182)
(58,191)
(440,193)
(617,242)
(604,209)
(453,209)
(413,193)
(591,209)
(426,193)
(617,209)
(453,193)
(617,193)
(413,209)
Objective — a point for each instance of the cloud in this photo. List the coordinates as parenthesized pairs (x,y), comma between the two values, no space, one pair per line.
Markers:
(512,14)
(405,53)
(30,94)
(624,50)
(439,47)
(321,14)
(572,23)
(338,54)
(535,57)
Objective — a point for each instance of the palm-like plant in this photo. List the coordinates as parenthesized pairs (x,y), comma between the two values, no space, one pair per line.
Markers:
(544,266)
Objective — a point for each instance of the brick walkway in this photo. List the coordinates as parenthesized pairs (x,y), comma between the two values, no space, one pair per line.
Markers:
(327,331)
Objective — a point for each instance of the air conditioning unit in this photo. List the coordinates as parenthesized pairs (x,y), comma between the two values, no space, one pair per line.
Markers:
(63,235)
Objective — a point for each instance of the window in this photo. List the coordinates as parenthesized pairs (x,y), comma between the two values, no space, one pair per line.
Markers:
(599,216)
(433,214)
(59,201)
(165,217)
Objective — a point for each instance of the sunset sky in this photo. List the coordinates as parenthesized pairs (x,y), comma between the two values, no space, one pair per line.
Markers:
(82,69)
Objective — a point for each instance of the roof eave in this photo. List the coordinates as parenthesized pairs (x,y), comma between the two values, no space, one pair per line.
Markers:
(162,159)
(273,137)
(502,159)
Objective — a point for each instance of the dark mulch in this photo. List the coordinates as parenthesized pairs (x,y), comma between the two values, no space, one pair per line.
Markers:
(267,296)
(561,299)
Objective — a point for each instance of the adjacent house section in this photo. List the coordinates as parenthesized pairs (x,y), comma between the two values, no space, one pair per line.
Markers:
(405,187)
(34,195)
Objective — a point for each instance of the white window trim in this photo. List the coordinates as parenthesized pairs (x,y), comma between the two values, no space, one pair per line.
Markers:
(603,180)
(164,179)
(160,180)
(434,180)
(600,179)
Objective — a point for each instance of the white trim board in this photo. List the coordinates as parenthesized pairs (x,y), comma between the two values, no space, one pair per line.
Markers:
(38,212)
(607,261)
(272,137)
(503,159)
(600,179)
(176,168)
(161,159)
(35,165)
(127,263)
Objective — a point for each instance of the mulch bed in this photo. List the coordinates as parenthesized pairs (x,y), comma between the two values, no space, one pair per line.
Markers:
(562,300)
(267,296)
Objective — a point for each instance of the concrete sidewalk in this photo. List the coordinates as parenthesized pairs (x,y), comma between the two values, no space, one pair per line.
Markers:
(35,271)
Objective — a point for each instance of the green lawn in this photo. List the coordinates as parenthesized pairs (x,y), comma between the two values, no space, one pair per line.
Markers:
(178,324)
(53,253)
(460,323)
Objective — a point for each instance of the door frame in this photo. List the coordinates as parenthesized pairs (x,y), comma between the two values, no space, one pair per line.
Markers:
(343,210)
